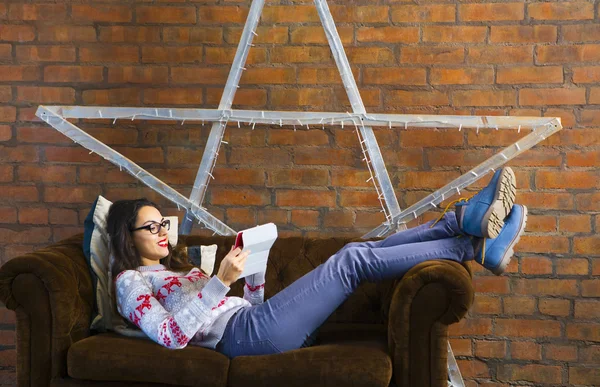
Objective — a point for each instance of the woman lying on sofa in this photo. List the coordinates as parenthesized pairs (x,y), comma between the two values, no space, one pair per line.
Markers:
(176,304)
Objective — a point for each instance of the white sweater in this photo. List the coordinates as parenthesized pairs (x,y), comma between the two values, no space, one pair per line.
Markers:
(175,309)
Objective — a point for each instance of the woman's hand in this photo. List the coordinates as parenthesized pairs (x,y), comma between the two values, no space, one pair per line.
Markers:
(232,265)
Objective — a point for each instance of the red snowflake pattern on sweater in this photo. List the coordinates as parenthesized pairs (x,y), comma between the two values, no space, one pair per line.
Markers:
(170,329)
(181,338)
(173,281)
(221,303)
(195,276)
(159,296)
(145,298)
(136,315)
(163,336)
(134,319)
(254,288)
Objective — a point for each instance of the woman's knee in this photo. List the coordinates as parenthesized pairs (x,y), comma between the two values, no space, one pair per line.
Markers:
(350,245)
(353,258)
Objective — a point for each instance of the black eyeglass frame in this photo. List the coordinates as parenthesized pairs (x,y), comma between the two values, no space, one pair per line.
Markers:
(165,223)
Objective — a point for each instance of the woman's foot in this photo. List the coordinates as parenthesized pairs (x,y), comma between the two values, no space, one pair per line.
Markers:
(495,254)
(483,215)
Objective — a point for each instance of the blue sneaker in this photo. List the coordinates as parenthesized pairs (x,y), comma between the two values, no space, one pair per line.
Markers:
(495,254)
(483,215)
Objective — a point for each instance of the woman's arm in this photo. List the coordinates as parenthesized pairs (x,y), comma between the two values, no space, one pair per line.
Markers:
(137,304)
(254,290)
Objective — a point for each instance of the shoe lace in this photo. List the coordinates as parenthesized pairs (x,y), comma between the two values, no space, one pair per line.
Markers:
(447,207)
(444,213)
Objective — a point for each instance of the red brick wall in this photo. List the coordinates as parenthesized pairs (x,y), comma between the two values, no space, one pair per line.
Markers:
(537,325)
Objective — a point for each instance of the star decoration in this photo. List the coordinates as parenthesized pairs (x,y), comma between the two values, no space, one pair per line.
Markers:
(358,120)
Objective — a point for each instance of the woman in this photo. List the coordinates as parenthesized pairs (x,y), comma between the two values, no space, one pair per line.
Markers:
(176,304)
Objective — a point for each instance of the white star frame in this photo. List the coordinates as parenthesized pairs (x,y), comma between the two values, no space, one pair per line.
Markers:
(358,119)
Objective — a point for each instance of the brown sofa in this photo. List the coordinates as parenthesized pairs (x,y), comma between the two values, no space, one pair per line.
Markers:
(391,333)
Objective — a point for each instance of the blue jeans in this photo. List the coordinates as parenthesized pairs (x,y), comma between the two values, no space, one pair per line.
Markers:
(286,320)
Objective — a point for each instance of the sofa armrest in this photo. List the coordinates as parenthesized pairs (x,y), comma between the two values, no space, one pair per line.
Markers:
(51,292)
(431,296)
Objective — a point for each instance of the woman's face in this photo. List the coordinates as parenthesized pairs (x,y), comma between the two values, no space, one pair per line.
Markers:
(152,247)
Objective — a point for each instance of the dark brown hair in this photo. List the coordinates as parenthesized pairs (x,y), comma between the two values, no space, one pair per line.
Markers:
(122,215)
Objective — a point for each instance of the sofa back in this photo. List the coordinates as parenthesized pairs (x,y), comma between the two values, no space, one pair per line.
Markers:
(291,258)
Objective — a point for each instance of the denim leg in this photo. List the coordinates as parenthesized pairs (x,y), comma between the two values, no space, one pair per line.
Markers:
(284,321)
(447,227)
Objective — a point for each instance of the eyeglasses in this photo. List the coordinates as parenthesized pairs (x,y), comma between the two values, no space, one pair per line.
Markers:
(155,227)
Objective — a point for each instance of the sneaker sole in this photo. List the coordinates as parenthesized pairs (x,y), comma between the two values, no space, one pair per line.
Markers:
(498,270)
(504,199)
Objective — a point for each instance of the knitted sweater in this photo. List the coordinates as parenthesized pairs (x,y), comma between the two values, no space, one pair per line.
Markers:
(175,309)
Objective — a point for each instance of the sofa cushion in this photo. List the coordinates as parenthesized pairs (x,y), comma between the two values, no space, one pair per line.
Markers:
(349,355)
(111,357)
(345,355)
(346,363)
